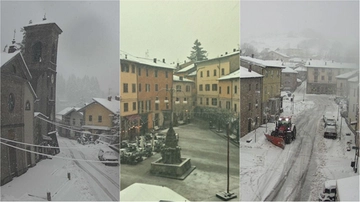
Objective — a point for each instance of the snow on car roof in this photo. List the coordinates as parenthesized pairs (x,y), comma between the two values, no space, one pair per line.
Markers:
(149,193)
(348,188)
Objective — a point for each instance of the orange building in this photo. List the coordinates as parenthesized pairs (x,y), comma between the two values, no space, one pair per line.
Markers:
(154,79)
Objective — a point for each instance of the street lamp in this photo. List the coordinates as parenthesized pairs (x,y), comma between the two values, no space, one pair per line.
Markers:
(227,195)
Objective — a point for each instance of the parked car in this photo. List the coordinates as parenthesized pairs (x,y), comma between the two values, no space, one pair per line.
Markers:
(330,132)
(329,191)
(329,119)
(109,156)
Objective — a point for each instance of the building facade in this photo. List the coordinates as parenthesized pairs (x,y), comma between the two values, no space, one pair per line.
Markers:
(321,75)
(289,79)
(154,87)
(184,99)
(271,100)
(207,75)
(17,114)
(250,95)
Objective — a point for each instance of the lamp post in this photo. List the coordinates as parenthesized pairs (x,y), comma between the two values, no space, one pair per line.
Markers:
(227,195)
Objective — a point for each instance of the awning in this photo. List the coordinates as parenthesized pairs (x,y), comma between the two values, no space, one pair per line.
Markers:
(133,117)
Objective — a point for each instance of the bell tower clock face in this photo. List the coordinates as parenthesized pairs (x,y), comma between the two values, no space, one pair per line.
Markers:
(52,78)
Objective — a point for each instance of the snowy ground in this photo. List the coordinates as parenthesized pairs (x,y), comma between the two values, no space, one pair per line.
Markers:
(308,161)
(50,175)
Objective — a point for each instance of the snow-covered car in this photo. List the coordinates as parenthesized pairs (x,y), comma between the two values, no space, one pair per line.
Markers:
(329,119)
(330,132)
(108,156)
(329,191)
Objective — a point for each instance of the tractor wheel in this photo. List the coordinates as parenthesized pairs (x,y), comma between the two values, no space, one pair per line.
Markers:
(287,139)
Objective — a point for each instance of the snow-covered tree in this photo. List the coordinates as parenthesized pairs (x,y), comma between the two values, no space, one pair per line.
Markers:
(197,54)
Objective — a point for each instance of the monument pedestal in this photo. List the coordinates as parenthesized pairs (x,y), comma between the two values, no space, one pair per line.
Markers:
(176,171)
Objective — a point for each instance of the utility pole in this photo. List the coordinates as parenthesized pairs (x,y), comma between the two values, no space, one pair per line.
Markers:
(227,195)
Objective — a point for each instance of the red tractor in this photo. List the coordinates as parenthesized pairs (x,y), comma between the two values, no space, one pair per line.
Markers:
(285,129)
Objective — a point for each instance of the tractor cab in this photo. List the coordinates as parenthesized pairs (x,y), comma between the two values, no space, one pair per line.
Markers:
(283,124)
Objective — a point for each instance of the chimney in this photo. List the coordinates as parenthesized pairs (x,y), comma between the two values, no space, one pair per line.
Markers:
(325,63)
(181,78)
(177,64)
(154,60)
(249,68)
(125,56)
(109,98)
(309,63)
(234,50)
(117,98)
(252,55)
(225,53)
(163,60)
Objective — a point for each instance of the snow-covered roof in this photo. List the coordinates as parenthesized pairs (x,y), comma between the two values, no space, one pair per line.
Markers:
(347,75)
(177,78)
(263,63)
(301,69)
(330,64)
(149,193)
(65,111)
(36,114)
(288,70)
(298,80)
(348,188)
(6,57)
(113,105)
(281,54)
(219,57)
(244,73)
(43,22)
(187,68)
(234,75)
(192,73)
(296,60)
(354,79)
(145,61)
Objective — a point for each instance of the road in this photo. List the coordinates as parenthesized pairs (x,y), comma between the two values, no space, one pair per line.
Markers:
(301,165)
(103,180)
(207,151)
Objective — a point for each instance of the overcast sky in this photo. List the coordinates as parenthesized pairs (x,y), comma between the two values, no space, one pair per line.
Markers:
(89,44)
(335,20)
(168,29)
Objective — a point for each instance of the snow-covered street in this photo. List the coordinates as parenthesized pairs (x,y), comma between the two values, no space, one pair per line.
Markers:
(90,180)
(298,172)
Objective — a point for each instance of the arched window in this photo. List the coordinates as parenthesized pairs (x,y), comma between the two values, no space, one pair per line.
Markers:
(27,105)
(36,49)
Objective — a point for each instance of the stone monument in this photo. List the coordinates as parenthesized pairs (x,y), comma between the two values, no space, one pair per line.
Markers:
(171,164)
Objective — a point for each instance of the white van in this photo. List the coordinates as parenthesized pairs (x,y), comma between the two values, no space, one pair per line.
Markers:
(329,191)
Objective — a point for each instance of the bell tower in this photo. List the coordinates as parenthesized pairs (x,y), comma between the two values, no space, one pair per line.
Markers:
(41,46)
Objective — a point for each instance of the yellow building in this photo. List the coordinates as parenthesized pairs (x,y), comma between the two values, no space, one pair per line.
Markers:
(208,73)
(99,115)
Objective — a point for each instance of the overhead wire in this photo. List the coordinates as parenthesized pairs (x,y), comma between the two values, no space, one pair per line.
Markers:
(50,156)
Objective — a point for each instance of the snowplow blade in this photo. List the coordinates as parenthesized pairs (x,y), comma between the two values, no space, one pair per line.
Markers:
(277,141)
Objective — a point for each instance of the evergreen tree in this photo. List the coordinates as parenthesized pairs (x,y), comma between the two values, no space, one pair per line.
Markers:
(197,54)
